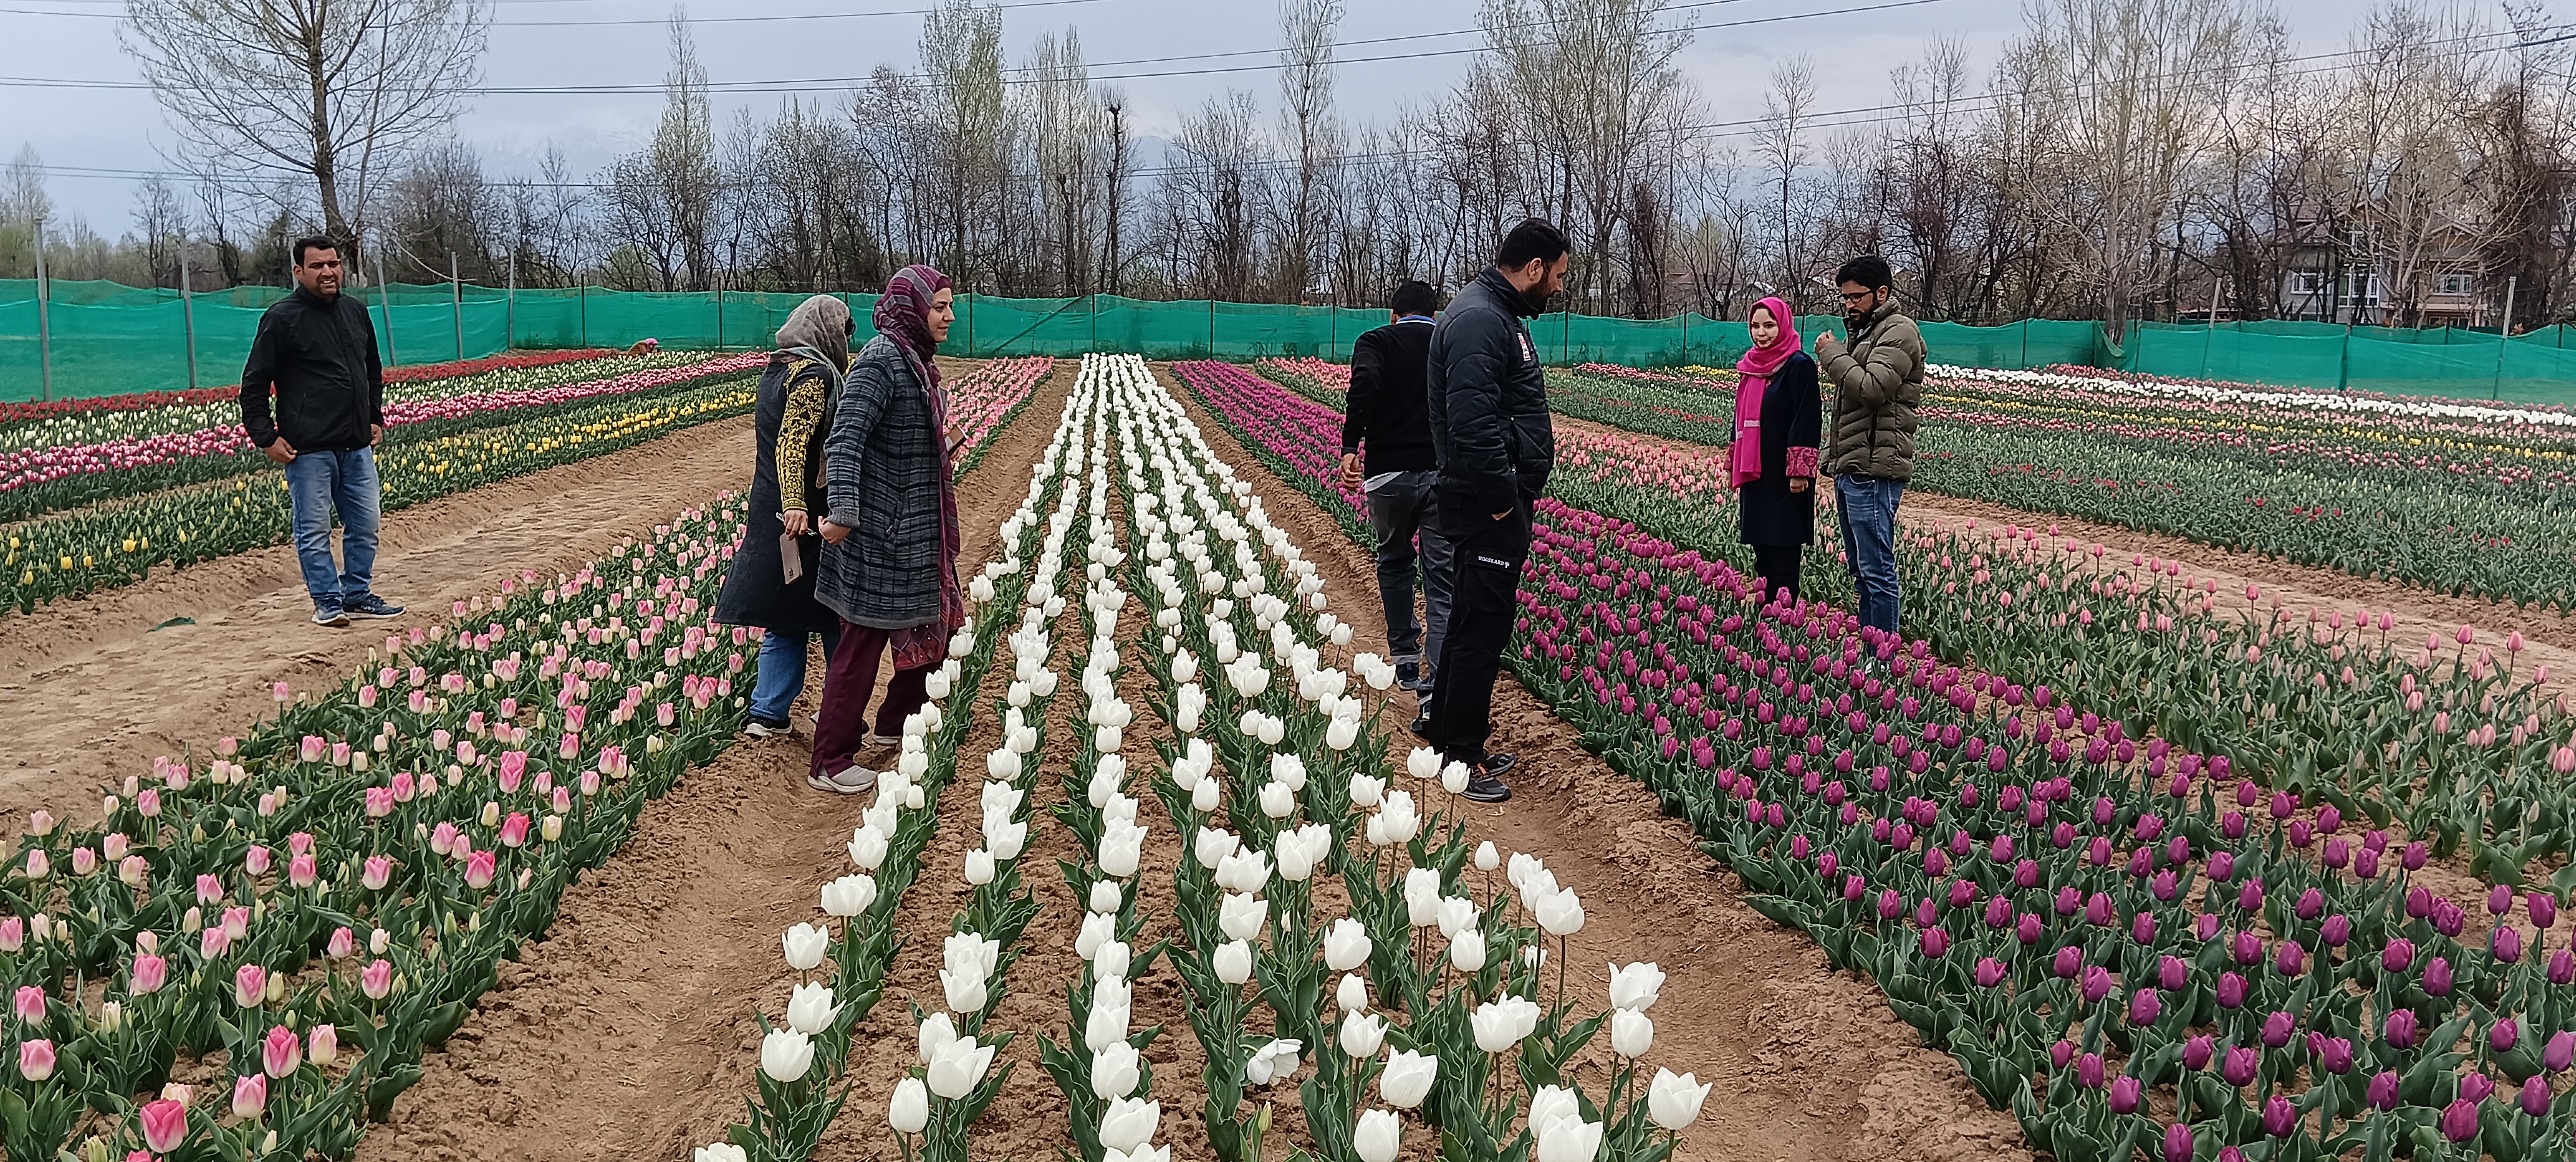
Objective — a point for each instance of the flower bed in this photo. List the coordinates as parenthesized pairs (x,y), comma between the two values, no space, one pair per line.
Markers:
(249,954)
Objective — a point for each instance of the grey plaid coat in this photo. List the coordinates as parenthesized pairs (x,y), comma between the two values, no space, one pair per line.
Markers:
(881,466)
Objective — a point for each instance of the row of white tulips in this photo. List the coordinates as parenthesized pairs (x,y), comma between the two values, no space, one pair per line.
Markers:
(886,849)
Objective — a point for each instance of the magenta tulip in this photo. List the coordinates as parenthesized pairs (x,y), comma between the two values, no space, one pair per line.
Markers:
(2398,955)
(2402,1028)
(2097,984)
(1991,972)
(2124,1095)
(1935,942)
(2383,1090)
(2560,1052)
(2503,1035)
(2437,977)
(2070,960)
(2335,1053)
(164,1124)
(2278,1028)
(2460,1120)
(2476,1086)
(2535,1095)
(2179,1146)
(2088,1071)
(2061,1053)
(2231,990)
(2506,945)
(2197,1051)
(2240,1066)
(2280,1118)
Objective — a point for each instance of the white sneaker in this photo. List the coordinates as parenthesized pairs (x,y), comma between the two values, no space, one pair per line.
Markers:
(755,728)
(852,781)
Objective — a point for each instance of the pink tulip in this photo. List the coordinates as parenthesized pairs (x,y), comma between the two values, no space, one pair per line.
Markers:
(147,975)
(281,1052)
(250,986)
(36,1059)
(164,1122)
(376,980)
(250,1096)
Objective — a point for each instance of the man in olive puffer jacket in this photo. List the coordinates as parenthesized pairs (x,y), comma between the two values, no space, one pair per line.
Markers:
(1877,383)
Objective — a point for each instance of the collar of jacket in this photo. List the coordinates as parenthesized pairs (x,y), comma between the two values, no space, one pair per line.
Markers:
(1511,295)
(1415,319)
(312,299)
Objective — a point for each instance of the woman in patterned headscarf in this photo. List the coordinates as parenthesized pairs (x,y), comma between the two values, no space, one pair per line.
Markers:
(889,565)
(790,416)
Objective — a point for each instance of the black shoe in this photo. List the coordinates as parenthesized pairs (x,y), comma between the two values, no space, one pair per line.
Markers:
(1421,725)
(329,614)
(369,607)
(1484,786)
(1408,675)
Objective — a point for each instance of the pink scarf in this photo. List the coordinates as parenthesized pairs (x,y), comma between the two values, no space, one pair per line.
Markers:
(1757,367)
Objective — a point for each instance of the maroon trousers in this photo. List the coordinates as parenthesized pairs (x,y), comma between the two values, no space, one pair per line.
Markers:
(840,724)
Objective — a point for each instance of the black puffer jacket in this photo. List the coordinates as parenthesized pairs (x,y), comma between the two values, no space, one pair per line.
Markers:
(1488,397)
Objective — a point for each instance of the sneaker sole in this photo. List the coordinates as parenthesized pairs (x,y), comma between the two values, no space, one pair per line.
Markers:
(821,783)
(1473,797)
(756,730)
(340,622)
(356,615)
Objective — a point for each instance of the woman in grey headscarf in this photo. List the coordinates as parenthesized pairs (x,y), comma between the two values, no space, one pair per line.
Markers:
(798,393)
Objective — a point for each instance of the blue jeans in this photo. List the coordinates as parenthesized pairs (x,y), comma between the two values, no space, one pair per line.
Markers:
(1400,506)
(782,670)
(1867,509)
(319,483)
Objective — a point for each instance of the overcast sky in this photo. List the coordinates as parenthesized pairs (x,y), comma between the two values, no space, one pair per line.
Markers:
(123,129)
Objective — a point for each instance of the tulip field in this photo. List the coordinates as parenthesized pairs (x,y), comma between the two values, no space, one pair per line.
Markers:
(1300,914)
(2163,874)
(2457,497)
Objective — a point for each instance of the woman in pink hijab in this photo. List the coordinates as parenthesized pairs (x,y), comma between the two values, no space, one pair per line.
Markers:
(1778,418)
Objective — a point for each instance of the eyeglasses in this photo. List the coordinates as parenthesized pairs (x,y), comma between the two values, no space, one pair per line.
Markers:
(1851,297)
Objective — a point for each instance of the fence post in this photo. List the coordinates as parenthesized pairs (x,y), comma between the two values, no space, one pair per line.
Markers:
(2504,336)
(1211,327)
(456,303)
(44,316)
(385,295)
(2343,372)
(1095,320)
(188,314)
(583,295)
(510,319)
(970,324)
(1686,351)
(720,318)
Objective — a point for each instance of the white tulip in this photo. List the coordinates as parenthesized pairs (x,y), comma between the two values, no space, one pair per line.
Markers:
(805,945)
(849,895)
(1115,1072)
(1006,839)
(1402,821)
(1631,1033)
(1105,896)
(1097,929)
(1106,1024)
(1378,1136)
(1362,1034)
(1457,914)
(1272,730)
(1139,1154)
(719,1152)
(1453,778)
(1520,867)
(1341,732)
(1122,849)
(1673,1102)
(1272,1062)
(810,1009)
(1289,769)
(936,1030)
(1495,1027)
(1561,914)
(1366,792)
(909,1112)
(867,848)
(1233,962)
(1570,1140)
(979,867)
(785,1055)
(1242,916)
(964,989)
(1214,844)
(958,1067)
(1002,765)
(1487,859)
(1110,960)
(1203,798)
(1423,763)
(1407,1079)
(1277,801)
(1637,986)
(1467,950)
(1244,871)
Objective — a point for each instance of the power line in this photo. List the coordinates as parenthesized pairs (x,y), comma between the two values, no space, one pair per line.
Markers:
(612,21)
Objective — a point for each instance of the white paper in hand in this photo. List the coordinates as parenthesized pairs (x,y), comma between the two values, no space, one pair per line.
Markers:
(791,559)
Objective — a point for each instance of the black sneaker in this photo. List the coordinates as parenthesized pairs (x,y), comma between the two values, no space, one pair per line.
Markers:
(1408,676)
(369,607)
(767,728)
(1484,785)
(329,614)
(1421,725)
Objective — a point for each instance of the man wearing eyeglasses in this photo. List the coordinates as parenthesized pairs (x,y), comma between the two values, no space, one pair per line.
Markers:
(1877,383)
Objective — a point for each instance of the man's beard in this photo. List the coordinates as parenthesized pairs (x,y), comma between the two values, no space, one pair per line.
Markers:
(1537,299)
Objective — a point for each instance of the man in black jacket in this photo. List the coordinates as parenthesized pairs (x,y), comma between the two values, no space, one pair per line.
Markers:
(1490,427)
(1387,411)
(317,349)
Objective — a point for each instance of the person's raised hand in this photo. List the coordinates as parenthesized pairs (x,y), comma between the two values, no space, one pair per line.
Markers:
(835,534)
(798,524)
(1350,469)
(280,451)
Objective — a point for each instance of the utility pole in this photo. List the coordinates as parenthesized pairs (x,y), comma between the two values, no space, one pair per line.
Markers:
(456,303)
(2504,335)
(1117,185)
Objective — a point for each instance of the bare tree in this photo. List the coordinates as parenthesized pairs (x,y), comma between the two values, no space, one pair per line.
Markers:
(1782,145)
(1306,114)
(970,130)
(160,226)
(333,92)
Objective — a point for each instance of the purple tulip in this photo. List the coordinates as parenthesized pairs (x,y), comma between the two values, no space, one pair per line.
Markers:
(2249,950)
(2097,984)
(2460,1120)
(2141,862)
(2027,929)
(2419,903)
(1935,942)
(2001,850)
(2232,825)
(2178,1143)
(2437,977)
(1925,913)
(2206,926)
(1890,905)
(2338,853)
(2103,811)
(2172,973)
(2312,903)
(2026,874)
(1999,913)
(2144,1007)
(2413,860)
(1853,887)
(2222,866)
(2402,1028)
(2337,930)
(2124,1095)
(2535,1095)
(2062,836)
(2504,1035)
(2143,928)
(2069,901)
(2506,945)
(2231,990)
(2280,1118)
(2277,1029)
(1990,972)
(2088,1071)
(2383,1090)
(2476,1086)
(2448,918)
(2291,959)
(2070,960)
(1963,892)
(2562,967)
(2249,899)
(2166,885)
(2544,910)
(2336,1055)
(2499,900)
(2397,955)
(2148,827)
(1936,864)
(2197,1051)
(2061,1053)
(2330,819)
(2282,805)
(2560,1052)
(2241,1065)
(2365,864)
(2099,855)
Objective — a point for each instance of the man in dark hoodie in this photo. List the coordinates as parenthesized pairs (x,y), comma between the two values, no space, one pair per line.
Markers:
(1389,413)
(317,349)
(1490,427)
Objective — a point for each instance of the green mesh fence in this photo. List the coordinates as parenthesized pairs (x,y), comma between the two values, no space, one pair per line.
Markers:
(110,338)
